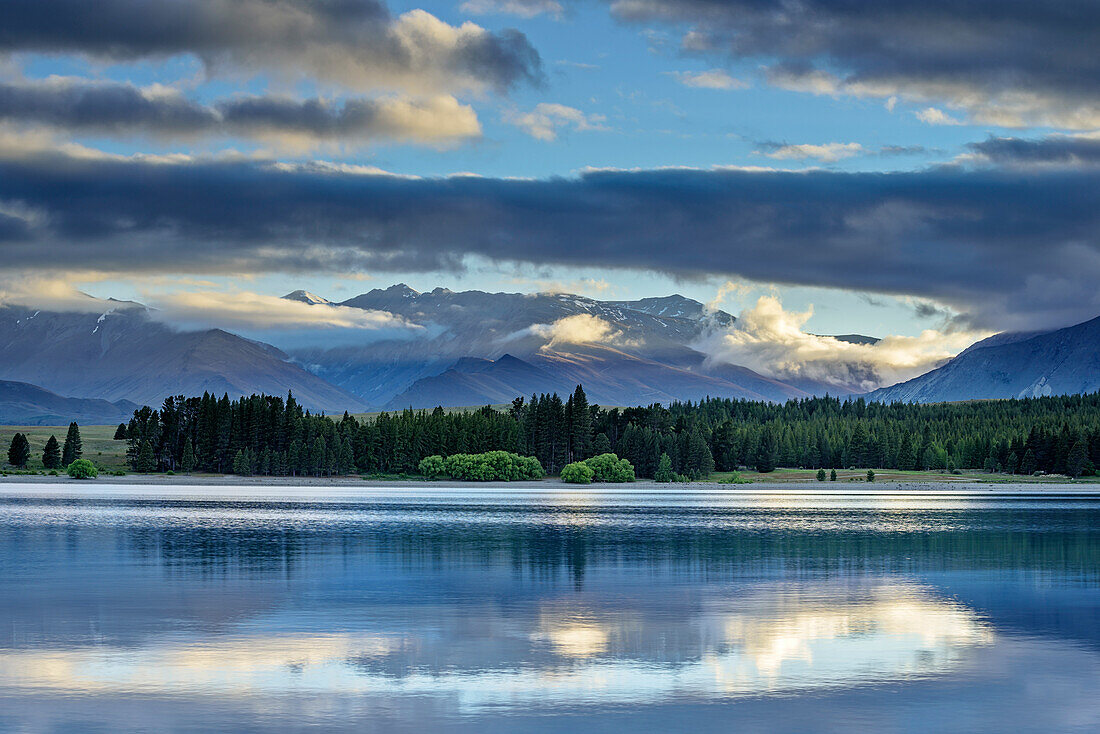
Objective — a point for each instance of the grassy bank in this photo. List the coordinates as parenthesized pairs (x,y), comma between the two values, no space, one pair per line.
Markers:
(99,444)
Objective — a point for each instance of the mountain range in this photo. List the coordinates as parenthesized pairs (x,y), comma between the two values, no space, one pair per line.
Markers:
(528,343)
(470,348)
(120,352)
(1011,365)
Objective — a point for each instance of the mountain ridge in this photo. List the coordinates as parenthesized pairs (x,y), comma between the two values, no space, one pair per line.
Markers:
(1011,365)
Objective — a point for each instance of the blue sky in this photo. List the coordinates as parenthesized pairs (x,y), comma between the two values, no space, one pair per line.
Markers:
(621,89)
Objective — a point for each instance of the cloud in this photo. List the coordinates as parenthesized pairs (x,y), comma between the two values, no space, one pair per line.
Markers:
(827,153)
(47,292)
(122,110)
(355,44)
(772,341)
(711,79)
(544,122)
(577,329)
(1004,249)
(521,8)
(592,287)
(934,116)
(727,289)
(246,310)
(1005,62)
(286,323)
(1052,150)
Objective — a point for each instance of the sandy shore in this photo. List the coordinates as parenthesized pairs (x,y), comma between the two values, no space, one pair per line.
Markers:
(956,487)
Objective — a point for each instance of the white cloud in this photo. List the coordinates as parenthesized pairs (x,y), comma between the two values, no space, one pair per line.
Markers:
(827,153)
(545,121)
(710,79)
(1015,108)
(521,8)
(578,329)
(48,292)
(256,311)
(727,289)
(772,341)
(936,116)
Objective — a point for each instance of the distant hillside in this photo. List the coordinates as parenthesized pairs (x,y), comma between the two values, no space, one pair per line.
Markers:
(23,404)
(609,376)
(1061,362)
(120,353)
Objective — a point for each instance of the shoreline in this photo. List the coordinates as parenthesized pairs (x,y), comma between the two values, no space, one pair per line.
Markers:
(918,486)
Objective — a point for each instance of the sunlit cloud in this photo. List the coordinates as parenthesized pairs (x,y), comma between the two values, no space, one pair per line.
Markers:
(710,79)
(546,121)
(252,311)
(773,341)
(826,153)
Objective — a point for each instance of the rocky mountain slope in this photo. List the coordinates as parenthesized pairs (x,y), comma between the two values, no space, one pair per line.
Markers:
(1011,365)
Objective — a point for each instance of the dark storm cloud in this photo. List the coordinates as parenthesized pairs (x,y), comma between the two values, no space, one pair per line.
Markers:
(124,109)
(1054,149)
(351,42)
(1012,61)
(1006,247)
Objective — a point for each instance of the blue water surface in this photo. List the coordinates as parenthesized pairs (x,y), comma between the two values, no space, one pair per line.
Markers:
(195,609)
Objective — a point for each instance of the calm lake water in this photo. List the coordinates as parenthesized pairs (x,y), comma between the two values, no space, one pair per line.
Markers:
(206,609)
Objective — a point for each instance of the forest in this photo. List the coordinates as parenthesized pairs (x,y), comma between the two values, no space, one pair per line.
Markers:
(268,435)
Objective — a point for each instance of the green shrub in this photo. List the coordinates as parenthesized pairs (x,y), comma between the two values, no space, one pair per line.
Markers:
(821,475)
(610,468)
(579,472)
(492,466)
(431,467)
(733,478)
(83,469)
(870,475)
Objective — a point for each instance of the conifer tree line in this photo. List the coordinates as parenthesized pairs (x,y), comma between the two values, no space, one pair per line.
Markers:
(269,435)
(53,455)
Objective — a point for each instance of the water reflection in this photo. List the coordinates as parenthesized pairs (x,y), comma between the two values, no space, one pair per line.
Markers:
(422,613)
(773,639)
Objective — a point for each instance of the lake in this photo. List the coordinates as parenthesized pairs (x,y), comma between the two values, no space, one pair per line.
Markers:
(419,610)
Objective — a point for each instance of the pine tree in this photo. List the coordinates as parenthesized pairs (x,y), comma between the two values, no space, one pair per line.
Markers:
(664,473)
(765,456)
(317,457)
(120,432)
(821,475)
(240,463)
(1075,460)
(187,460)
(19,453)
(699,461)
(74,447)
(832,475)
(146,463)
(51,455)
(580,426)
(1028,465)
(601,444)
